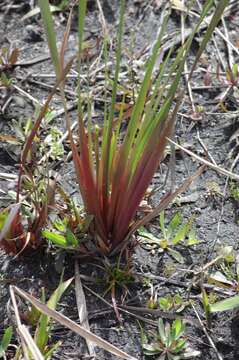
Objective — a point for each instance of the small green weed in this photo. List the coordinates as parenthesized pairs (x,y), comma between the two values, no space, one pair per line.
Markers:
(172,303)
(5,341)
(175,233)
(117,276)
(69,230)
(169,343)
(8,59)
(169,302)
(234,190)
(226,273)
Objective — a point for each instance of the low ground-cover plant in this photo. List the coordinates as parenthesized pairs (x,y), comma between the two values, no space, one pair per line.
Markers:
(117,277)
(169,343)
(176,232)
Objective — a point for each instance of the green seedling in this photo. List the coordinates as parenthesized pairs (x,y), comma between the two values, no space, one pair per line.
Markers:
(206,306)
(167,303)
(170,268)
(232,75)
(50,143)
(176,232)
(8,59)
(227,276)
(152,303)
(114,170)
(227,269)
(234,190)
(117,277)
(213,190)
(5,342)
(172,303)
(5,81)
(53,145)
(69,229)
(169,343)
(63,233)
(43,323)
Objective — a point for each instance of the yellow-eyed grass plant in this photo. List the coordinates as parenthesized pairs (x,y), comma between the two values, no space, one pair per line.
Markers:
(114,173)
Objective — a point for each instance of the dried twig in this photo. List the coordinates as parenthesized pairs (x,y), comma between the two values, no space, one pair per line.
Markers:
(26,339)
(208,163)
(81,306)
(73,326)
(219,356)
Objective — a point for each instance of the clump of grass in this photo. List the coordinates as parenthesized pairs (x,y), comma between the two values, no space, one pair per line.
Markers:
(114,170)
(114,173)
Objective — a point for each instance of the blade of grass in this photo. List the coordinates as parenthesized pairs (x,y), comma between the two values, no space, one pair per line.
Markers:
(71,324)
(14,209)
(51,36)
(106,146)
(165,201)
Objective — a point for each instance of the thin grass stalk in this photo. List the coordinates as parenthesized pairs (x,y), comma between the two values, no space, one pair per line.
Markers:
(222,4)
(51,36)
(171,93)
(120,179)
(106,146)
(140,103)
(146,168)
(81,24)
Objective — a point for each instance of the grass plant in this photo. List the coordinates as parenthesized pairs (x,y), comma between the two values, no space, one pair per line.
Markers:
(115,168)
(114,173)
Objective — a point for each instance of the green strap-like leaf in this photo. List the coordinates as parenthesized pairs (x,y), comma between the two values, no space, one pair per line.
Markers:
(224,305)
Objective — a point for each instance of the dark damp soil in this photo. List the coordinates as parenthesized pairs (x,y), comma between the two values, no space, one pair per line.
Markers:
(216,219)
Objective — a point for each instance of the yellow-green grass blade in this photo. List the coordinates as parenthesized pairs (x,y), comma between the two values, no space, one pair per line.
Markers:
(140,102)
(122,169)
(50,34)
(106,146)
(174,86)
(81,24)
(43,331)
